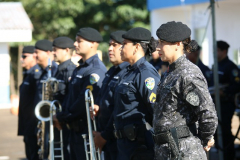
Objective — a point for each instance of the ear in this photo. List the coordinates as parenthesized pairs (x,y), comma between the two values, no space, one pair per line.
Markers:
(49,53)
(67,50)
(92,44)
(177,45)
(137,47)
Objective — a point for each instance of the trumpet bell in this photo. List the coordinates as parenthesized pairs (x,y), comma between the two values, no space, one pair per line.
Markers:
(42,110)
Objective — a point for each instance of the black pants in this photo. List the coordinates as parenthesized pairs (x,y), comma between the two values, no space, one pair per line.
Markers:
(110,155)
(227,111)
(31,147)
(77,150)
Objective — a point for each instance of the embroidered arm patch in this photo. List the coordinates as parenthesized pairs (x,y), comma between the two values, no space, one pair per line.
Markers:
(193,98)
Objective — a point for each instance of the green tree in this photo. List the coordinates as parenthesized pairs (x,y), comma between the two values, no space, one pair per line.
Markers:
(51,18)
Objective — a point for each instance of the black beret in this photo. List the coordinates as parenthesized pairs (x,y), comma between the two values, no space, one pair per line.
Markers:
(173,32)
(117,36)
(28,49)
(63,42)
(222,45)
(90,34)
(138,34)
(44,45)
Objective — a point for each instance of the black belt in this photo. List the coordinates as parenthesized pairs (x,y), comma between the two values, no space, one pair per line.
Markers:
(165,137)
(121,133)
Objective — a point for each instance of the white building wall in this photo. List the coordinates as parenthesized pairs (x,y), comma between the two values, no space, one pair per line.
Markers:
(4,76)
(196,17)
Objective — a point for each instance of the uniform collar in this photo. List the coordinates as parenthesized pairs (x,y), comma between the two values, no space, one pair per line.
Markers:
(64,64)
(32,69)
(123,65)
(177,63)
(135,65)
(88,61)
(224,60)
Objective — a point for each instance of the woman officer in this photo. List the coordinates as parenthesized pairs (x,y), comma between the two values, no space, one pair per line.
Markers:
(134,98)
(182,99)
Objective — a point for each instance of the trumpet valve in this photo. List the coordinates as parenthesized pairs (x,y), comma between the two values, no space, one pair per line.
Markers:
(39,125)
(39,141)
(39,133)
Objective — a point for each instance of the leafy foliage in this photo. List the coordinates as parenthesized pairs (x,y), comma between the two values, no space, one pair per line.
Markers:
(64,17)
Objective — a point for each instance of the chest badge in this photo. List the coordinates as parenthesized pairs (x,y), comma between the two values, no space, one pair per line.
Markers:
(36,70)
(150,83)
(94,78)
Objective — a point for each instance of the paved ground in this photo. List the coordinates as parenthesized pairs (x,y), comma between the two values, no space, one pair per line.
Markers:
(12,146)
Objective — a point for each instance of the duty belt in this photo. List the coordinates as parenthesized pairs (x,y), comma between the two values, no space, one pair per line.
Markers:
(165,137)
(129,131)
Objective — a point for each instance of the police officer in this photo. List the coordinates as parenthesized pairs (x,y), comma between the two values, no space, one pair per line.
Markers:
(43,50)
(134,97)
(182,99)
(229,75)
(194,58)
(88,75)
(62,51)
(156,60)
(26,117)
(105,101)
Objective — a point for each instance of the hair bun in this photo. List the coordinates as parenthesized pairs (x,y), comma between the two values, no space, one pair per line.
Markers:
(193,45)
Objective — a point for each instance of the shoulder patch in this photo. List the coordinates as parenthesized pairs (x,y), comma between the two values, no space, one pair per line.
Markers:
(193,99)
(150,83)
(152,98)
(94,78)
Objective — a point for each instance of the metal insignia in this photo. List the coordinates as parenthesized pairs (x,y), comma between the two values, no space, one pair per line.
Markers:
(150,83)
(193,99)
(94,78)
(152,97)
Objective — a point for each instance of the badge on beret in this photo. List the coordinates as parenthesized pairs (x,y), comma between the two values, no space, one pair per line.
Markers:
(235,73)
(36,70)
(69,79)
(150,83)
(152,97)
(193,99)
(94,78)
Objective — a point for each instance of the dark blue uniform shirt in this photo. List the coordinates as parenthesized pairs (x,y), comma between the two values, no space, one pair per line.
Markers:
(88,75)
(229,73)
(64,73)
(44,76)
(156,64)
(27,120)
(105,98)
(135,95)
(105,101)
(206,71)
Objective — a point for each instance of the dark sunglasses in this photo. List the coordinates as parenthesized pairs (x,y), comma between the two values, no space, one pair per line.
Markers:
(24,56)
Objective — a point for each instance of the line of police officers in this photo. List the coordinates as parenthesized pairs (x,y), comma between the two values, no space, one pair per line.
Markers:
(125,95)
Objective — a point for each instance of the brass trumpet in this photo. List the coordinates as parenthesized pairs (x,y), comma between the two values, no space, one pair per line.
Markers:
(91,154)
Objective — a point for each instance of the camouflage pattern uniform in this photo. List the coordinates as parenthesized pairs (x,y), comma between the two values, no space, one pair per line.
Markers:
(183,99)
